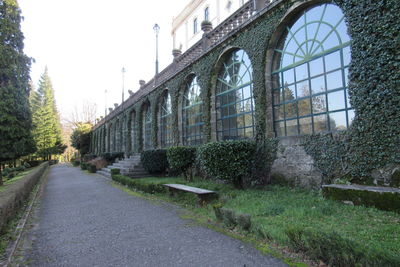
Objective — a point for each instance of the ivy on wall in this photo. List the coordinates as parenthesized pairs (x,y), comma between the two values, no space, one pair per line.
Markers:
(373,141)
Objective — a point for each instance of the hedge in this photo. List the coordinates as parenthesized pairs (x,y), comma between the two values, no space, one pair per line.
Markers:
(138,184)
(154,160)
(14,196)
(228,160)
(181,160)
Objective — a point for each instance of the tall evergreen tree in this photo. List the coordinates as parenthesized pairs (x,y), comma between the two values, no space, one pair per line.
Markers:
(15,116)
(46,120)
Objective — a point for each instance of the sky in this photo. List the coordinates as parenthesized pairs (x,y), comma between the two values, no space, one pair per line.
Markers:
(86,43)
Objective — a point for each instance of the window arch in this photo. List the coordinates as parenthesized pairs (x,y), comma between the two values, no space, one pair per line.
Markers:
(234,98)
(166,121)
(146,127)
(310,85)
(192,113)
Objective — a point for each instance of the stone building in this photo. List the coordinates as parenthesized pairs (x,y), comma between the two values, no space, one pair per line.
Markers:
(284,68)
(186,26)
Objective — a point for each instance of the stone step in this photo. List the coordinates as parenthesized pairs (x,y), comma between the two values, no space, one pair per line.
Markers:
(104,173)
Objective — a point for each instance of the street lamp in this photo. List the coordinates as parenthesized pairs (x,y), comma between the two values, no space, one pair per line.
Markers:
(105,103)
(156,29)
(123,83)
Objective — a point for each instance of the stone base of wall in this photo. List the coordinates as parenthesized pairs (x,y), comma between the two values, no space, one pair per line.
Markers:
(294,166)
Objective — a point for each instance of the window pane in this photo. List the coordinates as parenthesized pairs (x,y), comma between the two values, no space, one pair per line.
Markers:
(320,123)
(316,67)
(319,104)
(332,61)
(288,76)
(301,72)
(318,85)
(303,89)
(334,80)
(337,121)
(336,100)
(280,128)
(305,125)
(291,127)
(304,107)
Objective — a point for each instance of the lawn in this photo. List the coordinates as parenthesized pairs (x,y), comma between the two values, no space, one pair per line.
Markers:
(300,219)
(19,176)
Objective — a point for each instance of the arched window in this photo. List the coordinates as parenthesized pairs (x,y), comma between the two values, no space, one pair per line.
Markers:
(133,130)
(166,121)
(192,114)
(147,144)
(310,83)
(234,98)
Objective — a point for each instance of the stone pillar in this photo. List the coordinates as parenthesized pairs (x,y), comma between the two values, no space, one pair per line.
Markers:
(206,27)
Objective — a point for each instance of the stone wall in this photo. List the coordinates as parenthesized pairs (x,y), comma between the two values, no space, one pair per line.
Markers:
(294,166)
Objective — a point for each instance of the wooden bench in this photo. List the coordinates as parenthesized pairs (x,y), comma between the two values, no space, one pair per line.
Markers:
(204,195)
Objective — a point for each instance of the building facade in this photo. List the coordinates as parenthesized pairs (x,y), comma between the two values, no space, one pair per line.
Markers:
(186,27)
(285,68)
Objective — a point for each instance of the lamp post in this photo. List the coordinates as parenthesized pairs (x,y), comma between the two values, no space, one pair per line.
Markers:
(105,103)
(123,83)
(156,29)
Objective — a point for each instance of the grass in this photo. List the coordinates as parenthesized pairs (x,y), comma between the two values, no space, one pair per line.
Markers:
(277,210)
(18,177)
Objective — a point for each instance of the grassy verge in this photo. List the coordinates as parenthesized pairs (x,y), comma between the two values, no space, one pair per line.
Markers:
(16,178)
(305,222)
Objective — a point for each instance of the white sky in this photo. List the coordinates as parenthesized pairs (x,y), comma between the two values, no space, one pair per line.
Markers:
(85,44)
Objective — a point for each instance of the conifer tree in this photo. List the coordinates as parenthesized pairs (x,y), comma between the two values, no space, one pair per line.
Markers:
(15,116)
(46,120)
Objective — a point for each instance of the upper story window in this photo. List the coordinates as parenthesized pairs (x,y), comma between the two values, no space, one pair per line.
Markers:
(192,114)
(195,26)
(206,13)
(234,98)
(166,121)
(310,84)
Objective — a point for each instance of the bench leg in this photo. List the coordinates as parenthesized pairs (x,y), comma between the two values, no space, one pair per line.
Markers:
(173,192)
(205,199)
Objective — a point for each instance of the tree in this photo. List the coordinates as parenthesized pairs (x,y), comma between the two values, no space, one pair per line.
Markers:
(46,120)
(15,116)
(81,136)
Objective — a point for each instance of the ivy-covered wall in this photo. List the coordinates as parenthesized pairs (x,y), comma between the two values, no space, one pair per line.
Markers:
(372,142)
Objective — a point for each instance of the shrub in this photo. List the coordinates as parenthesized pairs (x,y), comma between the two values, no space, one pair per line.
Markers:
(111,157)
(27,165)
(181,160)
(228,160)
(265,155)
(34,163)
(115,171)
(20,168)
(138,184)
(6,171)
(83,165)
(89,157)
(91,168)
(336,250)
(99,163)
(76,163)
(11,175)
(155,160)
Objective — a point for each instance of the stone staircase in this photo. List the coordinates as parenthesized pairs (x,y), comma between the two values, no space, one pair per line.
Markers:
(131,167)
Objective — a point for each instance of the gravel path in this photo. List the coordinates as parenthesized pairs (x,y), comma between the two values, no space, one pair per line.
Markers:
(84,221)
